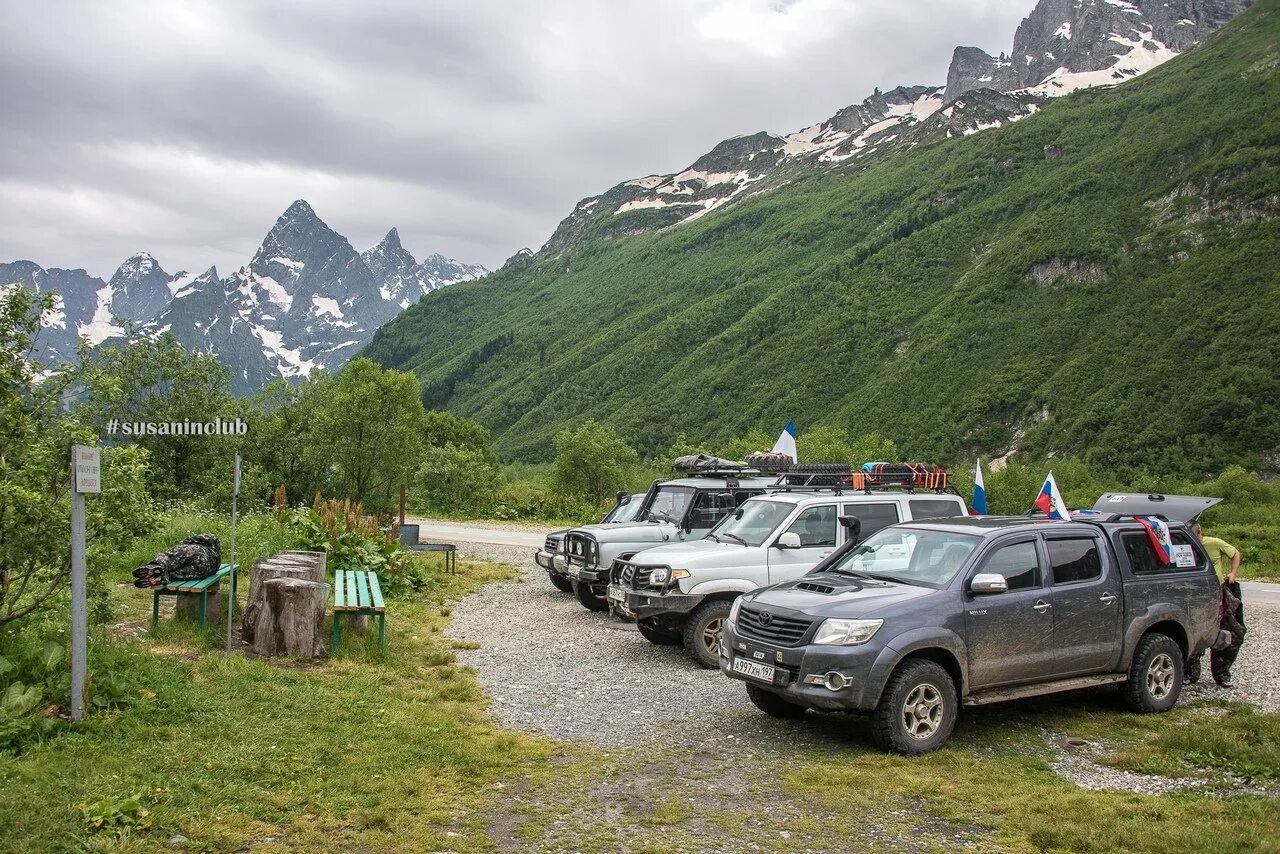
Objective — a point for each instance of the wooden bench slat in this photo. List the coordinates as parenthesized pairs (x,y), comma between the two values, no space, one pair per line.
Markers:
(362,589)
(339,591)
(198,584)
(375,590)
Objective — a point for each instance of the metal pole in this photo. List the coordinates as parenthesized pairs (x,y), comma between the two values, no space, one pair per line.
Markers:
(79,610)
(231,592)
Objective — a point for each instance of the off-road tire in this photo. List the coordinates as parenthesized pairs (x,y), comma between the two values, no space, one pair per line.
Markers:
(773,705)
(698,628)
(560,583)
(929,687)
(589,600)
(1155,677)
(658,634)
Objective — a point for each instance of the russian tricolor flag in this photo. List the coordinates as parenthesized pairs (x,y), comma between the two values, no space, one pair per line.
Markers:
(979,505)
(1050,502)
(1158,534)
(786,443)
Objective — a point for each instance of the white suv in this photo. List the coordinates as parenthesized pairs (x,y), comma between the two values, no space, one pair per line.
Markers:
(682,592)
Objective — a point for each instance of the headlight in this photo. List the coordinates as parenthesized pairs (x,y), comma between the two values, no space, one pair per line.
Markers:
(662,575)
(733,612)
(847,632)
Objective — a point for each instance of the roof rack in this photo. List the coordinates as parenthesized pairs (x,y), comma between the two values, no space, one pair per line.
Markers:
(702,465)
(813,477)
(908,477)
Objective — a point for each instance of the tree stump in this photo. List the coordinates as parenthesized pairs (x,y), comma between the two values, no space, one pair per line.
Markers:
(290,618)
(187,606)
(267,569)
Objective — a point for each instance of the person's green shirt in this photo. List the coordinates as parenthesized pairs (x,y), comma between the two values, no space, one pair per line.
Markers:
(1221,553)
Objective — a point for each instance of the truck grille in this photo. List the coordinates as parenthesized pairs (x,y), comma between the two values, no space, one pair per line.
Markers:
(771,628)
(634,577)
(581,549)
(551,545)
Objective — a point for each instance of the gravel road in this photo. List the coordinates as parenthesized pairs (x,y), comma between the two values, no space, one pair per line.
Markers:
(554,667)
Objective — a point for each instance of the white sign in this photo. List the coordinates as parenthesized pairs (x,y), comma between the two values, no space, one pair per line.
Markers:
(88,466)
(1184,556)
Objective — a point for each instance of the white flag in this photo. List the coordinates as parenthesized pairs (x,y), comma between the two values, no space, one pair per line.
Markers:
(786,443)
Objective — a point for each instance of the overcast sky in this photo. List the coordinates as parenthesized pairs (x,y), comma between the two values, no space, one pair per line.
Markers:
(184,127)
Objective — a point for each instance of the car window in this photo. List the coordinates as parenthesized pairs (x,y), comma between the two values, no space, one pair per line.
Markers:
(669,503)
(928,558)
(872,516)
(816,526)
(934,508)
(1018,564)
(753,522)
(1142,555)
(710,507)
(1074,559)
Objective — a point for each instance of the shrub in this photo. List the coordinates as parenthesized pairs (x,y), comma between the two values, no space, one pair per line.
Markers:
(454,478)
(592,462)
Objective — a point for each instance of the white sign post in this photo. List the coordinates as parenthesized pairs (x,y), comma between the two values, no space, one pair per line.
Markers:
(86,477)
(231,592)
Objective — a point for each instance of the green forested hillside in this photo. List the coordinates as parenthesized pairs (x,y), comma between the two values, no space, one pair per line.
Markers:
(1101,279)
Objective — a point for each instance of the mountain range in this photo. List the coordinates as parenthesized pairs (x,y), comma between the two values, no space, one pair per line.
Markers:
(976,267)
(305,300)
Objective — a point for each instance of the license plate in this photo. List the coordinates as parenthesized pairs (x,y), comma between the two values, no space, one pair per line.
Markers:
(763,672)
(615,594)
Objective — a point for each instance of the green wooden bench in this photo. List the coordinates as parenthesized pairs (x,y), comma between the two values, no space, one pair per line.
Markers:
(201,587)
(358,594)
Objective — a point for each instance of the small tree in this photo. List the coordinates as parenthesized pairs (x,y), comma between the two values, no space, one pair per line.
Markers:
(592,462)
(455,478)
(368,430)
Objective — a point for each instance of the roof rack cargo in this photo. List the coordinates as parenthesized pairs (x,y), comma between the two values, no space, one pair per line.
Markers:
(814,476)
(704,465)
(905,476)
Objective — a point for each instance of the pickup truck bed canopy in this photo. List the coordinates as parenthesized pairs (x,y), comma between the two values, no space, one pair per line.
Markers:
(1175,508)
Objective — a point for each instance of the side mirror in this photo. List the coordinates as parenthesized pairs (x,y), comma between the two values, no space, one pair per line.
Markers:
(622,498)
(853,525)
(986,583)
(789,540)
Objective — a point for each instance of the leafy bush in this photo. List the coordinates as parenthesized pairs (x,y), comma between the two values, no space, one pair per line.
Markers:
(118,817)
(592,462)
(356,542)
(455,478)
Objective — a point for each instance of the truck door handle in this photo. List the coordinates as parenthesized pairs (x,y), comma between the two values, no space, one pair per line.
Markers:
(1106,598)
(1042,607)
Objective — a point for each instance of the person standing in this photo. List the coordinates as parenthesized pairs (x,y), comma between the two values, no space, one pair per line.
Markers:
(1226,562)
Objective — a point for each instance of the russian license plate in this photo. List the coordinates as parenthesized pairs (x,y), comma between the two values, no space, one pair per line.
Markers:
(746,667)
(615,594)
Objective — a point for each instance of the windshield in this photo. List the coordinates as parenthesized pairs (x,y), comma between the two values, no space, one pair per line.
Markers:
(620,512)
(669,504)
(927,558)
(752,523)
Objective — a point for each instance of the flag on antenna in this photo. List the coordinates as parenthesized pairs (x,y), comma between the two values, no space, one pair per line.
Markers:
(786,443)
(979,492)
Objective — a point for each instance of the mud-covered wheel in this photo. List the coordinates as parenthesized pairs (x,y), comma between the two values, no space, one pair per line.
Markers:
(661,634)
(1155,677)
(560,582)
(702,632)
(589,600)
(771,704)
(917,710)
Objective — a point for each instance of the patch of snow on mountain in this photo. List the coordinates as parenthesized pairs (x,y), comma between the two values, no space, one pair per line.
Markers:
(100,327)
(180,281)
(275,291)
(327,305)
(648,181)
(55,315)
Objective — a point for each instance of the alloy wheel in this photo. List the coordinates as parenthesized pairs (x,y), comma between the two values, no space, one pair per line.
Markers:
(711,635)
(1160,675)
(922,711)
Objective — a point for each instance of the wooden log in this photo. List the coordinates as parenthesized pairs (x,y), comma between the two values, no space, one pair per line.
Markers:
(290,620)
(264,570)
(317,560)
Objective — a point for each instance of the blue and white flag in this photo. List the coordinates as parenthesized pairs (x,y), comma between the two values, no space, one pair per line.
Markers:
(979,492)
(786,443)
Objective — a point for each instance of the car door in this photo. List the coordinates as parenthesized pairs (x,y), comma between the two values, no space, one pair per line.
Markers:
(1010,635)
(1087,604)
(818,530)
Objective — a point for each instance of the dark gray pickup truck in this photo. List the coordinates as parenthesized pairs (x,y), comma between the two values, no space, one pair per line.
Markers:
(923,617)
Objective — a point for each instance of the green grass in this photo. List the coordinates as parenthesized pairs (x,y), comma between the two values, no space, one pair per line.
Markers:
(363,749)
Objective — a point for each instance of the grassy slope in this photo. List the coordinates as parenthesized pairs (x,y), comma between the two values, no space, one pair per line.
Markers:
(896,298)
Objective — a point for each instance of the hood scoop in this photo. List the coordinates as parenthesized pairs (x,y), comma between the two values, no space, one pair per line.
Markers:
(815,587)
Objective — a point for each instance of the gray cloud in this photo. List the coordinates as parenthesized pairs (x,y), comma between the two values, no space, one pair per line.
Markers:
(474,126)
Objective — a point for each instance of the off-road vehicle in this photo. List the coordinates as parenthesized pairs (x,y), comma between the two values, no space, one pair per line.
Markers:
(672,511)
(624,509)
(923,617)
(681,593)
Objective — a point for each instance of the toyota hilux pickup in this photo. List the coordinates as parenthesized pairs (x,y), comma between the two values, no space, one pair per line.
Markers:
(672,511)
(682,592)
(923,617)
(624,510)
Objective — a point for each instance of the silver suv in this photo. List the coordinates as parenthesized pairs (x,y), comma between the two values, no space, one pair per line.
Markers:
(682,593)
(672,511)
(624,510)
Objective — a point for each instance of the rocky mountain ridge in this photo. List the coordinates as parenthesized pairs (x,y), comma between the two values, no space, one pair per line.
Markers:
(305,300)
(1060,47)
